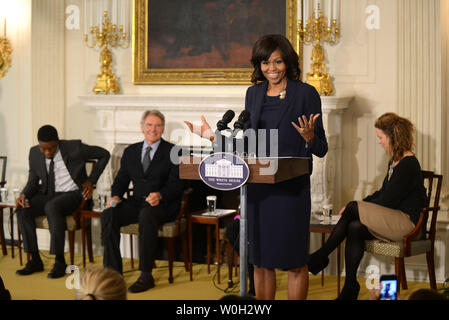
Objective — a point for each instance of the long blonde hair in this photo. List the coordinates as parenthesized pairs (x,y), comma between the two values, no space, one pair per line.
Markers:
(400,131)
(101,284)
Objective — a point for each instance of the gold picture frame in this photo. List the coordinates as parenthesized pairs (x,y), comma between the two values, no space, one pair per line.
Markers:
(182,64)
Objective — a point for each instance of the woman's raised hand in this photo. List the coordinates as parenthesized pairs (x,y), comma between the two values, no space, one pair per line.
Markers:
(203,131)
(306,127)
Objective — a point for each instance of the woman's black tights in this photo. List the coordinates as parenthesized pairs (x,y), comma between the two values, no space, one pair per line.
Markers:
(349,227)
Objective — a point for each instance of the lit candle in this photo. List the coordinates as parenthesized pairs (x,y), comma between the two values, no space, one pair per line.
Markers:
(317,6)
(127,19)
(114,12)
(3,23)
(299,17)
(99,14)
(123,15)
(329,11)
(336,13)
(306,10)
(85,16)
(91,13)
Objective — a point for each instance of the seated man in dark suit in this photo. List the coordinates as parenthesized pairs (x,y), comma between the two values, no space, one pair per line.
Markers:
(156,198)
(57,182)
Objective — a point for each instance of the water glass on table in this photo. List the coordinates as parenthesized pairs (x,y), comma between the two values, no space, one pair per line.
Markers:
(327,213)
(211,204)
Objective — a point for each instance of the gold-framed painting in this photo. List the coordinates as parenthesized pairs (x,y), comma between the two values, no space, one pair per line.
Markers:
(204,41)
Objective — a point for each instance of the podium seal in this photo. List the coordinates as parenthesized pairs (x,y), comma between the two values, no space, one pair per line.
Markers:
(223,171)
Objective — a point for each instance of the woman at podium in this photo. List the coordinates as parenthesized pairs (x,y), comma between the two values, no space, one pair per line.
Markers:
(279,214)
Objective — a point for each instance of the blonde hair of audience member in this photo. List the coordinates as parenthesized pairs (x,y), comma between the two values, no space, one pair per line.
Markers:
(101,284)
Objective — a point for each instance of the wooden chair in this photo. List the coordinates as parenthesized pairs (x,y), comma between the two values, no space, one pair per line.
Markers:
(232,258)
(3,160)
(170,231)
(2,184)
(420,240)
(73,223)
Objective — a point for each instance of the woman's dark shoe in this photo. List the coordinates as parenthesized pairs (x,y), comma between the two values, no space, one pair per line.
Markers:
(317,262)
(349,291)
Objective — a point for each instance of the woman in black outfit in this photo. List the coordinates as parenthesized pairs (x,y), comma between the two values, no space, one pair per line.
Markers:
(387,214)
(279,214)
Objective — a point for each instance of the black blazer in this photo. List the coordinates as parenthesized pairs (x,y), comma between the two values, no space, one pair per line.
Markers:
(301,99)
(75,154)
(161,176)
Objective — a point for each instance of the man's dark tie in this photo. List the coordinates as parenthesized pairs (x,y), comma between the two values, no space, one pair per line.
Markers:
(146,159)
(51,178)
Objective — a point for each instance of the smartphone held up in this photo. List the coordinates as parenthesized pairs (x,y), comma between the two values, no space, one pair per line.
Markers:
(389,287)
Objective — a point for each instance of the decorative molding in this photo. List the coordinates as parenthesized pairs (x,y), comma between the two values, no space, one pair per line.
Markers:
(178,103)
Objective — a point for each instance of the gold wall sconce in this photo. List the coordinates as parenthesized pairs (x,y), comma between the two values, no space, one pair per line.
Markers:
(5,50)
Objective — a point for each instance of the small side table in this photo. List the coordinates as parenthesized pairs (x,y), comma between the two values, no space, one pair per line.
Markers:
(318,227)
(201,217)
(10,206)
(87,214)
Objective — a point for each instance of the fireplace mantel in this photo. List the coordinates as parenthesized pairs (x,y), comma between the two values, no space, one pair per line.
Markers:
(118,118)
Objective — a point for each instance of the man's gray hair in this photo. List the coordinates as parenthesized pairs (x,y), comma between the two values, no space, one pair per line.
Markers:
(156,113)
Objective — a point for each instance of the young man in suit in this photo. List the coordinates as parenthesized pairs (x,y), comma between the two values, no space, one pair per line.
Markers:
(57,183)
(155,200)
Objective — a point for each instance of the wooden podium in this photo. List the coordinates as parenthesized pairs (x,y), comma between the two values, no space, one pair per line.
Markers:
(262,170)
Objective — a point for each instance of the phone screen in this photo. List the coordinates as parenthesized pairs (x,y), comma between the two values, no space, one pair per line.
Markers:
(389,289)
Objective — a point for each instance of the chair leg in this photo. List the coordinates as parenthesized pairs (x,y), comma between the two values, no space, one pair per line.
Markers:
(236,264)
(11,218)
(431,267)
(184,251)
(131,248)
(403,276)
(72,246)
(230,260)
(19,244)
(398,270)
(2,234)
(171,255)
(89,243)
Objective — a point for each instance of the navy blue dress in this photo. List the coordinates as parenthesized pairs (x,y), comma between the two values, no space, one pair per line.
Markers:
(279,214)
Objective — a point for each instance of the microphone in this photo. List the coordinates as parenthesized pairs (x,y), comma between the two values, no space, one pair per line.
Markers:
(223,123)
(242,119)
